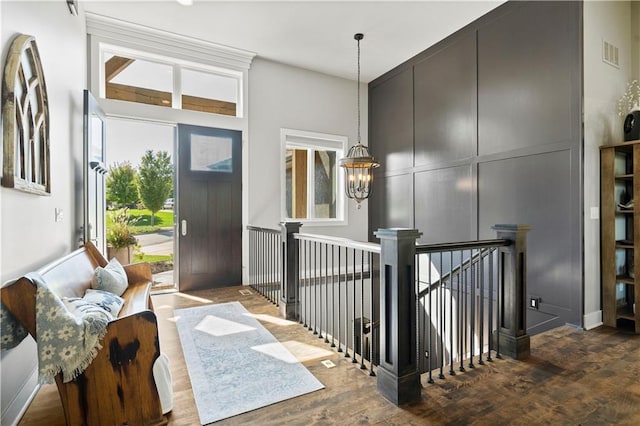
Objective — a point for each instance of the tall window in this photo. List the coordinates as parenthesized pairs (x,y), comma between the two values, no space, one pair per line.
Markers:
(311,177)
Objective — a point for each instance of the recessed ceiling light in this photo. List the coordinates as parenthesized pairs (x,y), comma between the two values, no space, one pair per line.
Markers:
(185,2)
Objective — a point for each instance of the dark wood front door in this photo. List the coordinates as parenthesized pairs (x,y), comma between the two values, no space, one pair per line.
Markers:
(209,207)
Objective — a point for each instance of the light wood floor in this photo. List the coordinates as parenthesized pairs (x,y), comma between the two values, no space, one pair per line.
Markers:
(572,377)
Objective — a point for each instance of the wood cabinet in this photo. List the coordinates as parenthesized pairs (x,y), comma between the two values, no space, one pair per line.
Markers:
(620,234)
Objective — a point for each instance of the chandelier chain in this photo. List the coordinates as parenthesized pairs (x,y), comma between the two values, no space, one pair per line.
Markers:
(358,164)
(358,88)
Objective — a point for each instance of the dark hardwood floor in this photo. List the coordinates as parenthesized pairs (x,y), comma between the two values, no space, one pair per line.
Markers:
(573,377)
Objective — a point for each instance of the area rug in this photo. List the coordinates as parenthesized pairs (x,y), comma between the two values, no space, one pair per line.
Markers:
(235,364)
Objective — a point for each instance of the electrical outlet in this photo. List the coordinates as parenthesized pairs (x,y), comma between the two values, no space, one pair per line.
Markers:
(595,213)
(59,214)
(327,363)
(534,303)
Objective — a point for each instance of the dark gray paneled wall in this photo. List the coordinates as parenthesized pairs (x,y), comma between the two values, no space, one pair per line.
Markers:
(392,120)
(485,128)
(446,107)
(528,66)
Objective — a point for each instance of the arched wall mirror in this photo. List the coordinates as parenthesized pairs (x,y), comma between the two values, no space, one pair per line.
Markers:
(25,119)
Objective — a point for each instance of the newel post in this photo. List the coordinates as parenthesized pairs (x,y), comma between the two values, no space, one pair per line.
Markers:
(289,298)
(513,339)
(398,377)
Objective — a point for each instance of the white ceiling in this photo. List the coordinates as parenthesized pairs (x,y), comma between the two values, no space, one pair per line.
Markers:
(316,35)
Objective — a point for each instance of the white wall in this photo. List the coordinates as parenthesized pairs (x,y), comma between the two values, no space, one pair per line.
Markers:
(281,96)
(635,39)
(29,235)
(603,86)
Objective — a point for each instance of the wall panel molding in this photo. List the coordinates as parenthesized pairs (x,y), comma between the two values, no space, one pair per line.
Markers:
(498,104)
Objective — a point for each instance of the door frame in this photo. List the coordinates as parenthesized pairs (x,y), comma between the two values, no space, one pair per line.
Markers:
(167,116)
(93,161)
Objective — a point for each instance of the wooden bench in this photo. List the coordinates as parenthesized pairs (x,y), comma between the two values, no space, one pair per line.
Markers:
(118,387)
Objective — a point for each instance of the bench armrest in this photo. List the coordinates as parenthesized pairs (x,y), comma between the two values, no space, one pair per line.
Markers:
(138,272)
(122,372)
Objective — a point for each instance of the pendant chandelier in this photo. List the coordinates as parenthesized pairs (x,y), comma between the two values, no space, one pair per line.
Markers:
(358,164)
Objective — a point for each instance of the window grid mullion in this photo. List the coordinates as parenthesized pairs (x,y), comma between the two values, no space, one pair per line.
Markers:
(311,188)
(176,94)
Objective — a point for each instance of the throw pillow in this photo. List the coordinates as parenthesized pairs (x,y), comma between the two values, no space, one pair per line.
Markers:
(111,278)
(105,300)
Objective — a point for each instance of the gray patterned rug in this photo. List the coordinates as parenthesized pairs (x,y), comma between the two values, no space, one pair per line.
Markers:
(235,364)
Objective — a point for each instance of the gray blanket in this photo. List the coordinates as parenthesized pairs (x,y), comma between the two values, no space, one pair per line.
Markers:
(67,341)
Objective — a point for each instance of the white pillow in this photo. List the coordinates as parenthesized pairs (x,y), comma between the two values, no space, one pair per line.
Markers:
(105,300)
(111,278)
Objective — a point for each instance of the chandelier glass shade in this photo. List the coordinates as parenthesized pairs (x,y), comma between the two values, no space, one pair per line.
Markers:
(358,164)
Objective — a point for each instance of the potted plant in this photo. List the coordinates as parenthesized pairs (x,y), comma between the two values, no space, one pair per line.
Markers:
(120,238)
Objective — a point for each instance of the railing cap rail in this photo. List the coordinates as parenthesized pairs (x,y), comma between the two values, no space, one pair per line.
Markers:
(464,245)
(266,230)
(343,242)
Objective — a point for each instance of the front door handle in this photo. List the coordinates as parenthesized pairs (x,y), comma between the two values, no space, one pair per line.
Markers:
(183,227)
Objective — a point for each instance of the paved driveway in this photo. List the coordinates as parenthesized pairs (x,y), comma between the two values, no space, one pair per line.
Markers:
(160,242)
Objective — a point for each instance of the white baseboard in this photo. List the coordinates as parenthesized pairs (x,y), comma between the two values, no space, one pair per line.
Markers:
(16,409)
(592,320)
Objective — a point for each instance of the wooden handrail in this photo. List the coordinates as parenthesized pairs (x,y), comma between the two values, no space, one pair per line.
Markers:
(463,245)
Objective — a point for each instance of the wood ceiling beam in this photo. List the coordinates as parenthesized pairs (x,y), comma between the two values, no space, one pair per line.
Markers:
(195,103)
(138,94)
(115,66)
(155,97)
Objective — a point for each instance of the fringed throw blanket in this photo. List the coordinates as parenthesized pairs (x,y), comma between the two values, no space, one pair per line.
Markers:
(11,331)
(68,340)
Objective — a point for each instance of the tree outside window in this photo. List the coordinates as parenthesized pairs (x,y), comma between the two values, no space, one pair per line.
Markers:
(155,180)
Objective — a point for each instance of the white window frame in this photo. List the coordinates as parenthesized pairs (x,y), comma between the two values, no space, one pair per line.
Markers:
(105,49)
(291,138)
(161,46)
